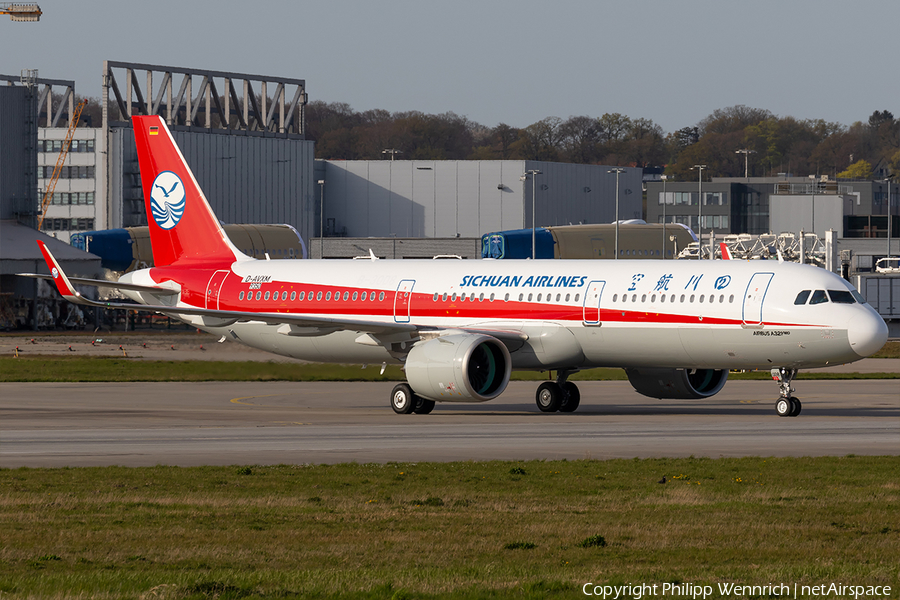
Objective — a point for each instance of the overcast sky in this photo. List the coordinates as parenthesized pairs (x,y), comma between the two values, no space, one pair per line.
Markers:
(516,62)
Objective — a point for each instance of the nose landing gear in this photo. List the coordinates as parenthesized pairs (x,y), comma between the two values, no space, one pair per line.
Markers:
(786,405)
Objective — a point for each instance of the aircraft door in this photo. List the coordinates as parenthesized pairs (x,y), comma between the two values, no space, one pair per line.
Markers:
(753,299)
(402,300)
(592,302)
(213,288)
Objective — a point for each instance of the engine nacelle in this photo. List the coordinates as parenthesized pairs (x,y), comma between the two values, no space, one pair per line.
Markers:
(681,384)
(459,368)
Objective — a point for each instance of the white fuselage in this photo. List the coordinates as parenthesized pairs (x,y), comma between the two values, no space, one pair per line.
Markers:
(575,313)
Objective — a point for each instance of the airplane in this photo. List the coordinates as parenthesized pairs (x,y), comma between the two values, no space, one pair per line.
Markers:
(726,253)
(460,327)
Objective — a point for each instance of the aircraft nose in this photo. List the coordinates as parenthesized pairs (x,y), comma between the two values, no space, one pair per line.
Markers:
(867,333)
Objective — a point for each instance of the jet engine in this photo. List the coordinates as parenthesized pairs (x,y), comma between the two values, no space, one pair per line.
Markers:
(681,384)
(459,368)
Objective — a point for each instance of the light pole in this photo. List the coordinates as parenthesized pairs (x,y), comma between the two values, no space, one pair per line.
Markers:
(746,154)
(888,182)
(392,152)
(665,200)
(617,170)
(321,183)
(533,173)
(700,211)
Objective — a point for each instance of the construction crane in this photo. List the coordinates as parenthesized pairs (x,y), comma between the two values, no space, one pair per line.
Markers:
(21,12)
(67,143)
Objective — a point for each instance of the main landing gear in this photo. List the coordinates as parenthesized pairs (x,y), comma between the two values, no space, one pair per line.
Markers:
(559,395)
(786,405)
(404,401)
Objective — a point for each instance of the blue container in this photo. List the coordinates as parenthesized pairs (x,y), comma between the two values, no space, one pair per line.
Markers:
(516,243)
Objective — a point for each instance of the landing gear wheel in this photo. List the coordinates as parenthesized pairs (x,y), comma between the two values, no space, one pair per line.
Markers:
(549,396)
(403,401)
(423,406)
(783,406)
(796,407)
(571,398)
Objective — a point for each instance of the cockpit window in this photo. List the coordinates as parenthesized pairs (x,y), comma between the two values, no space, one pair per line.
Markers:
(841,297)
(858,296)
(818,297)
(802,297)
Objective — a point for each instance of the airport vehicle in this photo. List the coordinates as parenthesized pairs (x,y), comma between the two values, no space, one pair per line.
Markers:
(460,327)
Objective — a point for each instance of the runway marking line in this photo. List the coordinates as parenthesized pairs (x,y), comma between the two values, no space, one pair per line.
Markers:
(238,400)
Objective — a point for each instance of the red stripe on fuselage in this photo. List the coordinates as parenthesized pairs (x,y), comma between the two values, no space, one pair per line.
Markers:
(194,282)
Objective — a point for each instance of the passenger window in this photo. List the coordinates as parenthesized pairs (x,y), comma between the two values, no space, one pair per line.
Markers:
(294,296)
(346,295)
(841,297)
(381,296)
(577,296)
(327,296)
(241,296)
(818,297)
(802,297)
(318,296)
(615,297)
(521,296)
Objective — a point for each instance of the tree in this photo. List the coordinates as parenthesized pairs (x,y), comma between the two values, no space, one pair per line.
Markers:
(579,137)
(539,141)
(861,169)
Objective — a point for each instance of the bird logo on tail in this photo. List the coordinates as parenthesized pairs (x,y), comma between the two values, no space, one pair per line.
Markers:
(167,199)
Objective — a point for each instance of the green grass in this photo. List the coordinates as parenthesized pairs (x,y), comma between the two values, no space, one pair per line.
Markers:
(889,350)
(454,530)
(65,369)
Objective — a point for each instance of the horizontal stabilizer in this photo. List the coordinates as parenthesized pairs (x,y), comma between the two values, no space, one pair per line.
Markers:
(159,291)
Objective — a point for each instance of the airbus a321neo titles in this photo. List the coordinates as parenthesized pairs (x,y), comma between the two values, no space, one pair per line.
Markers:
(459,327)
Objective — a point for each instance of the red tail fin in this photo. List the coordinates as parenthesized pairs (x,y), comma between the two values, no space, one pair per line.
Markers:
(182,225)
(726,253)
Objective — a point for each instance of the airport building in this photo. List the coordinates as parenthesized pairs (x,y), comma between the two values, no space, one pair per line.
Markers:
(757,205)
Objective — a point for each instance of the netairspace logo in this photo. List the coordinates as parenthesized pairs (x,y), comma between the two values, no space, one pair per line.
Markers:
(725,590)
(167,199)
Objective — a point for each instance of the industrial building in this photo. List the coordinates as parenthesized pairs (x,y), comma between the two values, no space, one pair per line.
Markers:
(27,302)
(463,199)
(759,205)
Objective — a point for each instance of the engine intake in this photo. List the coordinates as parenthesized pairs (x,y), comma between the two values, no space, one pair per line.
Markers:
(459,368)
(681,384)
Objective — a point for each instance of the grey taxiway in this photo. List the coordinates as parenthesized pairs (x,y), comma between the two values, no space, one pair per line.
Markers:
(137,424)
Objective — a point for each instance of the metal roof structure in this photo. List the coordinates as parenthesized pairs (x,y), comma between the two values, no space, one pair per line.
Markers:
(211,104)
